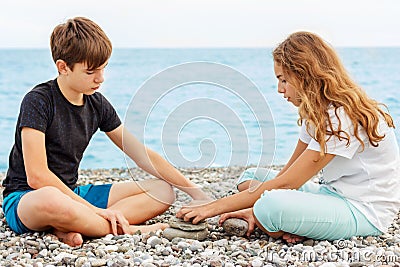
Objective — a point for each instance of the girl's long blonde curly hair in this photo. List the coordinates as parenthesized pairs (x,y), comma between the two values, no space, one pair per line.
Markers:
(312,67)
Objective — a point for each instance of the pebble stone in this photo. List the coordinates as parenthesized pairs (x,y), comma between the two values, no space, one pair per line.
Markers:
(171,233)
(218,245)
(186,226)
(153,241)
(235,226)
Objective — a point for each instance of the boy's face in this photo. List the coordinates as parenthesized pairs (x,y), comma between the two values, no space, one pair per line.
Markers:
(83,81)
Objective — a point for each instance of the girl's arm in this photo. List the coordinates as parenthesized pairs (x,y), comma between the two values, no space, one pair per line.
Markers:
(153,163)
(300,148)
(300,171)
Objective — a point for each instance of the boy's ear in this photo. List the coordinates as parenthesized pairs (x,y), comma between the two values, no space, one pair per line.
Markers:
(62,66)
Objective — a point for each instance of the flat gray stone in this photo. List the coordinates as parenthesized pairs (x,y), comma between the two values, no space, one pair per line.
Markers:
(235,226)
(171,233)
(186,226)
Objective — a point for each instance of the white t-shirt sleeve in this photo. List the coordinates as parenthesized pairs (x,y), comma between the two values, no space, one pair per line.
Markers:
(304,135)
(335,145)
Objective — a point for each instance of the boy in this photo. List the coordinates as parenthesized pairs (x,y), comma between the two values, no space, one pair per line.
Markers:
(56,122)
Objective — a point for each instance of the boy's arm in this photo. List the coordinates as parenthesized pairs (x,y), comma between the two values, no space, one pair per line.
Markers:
(153,163)
(39,175)
(35,160)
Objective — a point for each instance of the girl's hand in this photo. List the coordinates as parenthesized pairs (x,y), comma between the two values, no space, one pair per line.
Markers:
(116,219)
(197,213)
(246,214)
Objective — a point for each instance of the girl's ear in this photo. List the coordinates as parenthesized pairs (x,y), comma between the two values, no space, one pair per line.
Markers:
(62,66)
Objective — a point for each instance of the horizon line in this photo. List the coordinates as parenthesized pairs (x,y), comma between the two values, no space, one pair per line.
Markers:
(199,47)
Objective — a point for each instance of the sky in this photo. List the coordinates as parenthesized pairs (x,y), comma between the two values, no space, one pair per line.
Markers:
(206,23)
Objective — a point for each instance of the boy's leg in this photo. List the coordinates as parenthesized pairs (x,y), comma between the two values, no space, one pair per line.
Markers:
(48,207)
(141,201)
(319,216)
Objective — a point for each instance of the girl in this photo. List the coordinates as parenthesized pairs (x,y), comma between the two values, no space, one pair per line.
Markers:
(344,133)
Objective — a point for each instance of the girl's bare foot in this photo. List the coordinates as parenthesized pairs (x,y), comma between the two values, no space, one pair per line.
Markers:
(148,228)
(291,238)
(71,238)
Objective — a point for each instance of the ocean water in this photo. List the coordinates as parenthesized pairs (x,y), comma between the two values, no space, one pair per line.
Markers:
(196,107)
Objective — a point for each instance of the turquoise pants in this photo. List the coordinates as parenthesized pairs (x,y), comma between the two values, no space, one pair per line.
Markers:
(314,210)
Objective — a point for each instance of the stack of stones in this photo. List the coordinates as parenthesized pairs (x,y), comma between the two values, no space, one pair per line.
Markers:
(182,229)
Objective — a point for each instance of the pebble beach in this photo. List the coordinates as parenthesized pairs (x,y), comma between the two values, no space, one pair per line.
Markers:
(218,249)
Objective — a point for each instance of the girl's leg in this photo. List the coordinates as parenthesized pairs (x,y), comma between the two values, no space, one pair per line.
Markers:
(319,216)
(254,176)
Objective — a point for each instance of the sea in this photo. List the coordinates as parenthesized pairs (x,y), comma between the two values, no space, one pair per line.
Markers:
(196,107)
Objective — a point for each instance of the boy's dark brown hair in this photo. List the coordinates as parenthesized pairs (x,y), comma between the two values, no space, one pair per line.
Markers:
(80,40)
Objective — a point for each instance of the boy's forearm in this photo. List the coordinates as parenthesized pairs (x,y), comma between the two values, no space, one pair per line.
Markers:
(163,170)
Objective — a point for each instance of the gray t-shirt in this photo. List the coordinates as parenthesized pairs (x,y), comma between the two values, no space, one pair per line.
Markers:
(67,128)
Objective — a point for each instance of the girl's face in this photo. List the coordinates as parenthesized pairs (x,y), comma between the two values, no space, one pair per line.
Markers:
(284,87)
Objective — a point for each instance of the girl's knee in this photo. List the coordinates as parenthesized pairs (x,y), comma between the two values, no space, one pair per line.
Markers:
(248,174)
(254,176)
(245,179)
(270,209)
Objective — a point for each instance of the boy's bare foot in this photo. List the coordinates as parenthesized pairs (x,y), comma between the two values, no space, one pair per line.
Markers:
(71,238)
(148,228)
(291,238)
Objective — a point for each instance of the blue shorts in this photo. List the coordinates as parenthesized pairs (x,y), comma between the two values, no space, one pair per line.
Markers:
(97,195)
(315,211)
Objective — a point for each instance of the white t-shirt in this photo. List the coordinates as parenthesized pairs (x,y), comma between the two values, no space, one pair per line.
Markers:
(369,179)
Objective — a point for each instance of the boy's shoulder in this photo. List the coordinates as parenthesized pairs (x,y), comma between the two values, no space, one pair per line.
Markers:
(44,88)
(45,85)
(41,94)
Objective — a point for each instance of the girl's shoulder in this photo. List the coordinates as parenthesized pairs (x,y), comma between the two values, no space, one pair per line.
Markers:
(338,115)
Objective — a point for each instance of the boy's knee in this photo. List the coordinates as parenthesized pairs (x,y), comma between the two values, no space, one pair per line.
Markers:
(50,200)
(44,197)
(165,192)
(163,185)
(48,191)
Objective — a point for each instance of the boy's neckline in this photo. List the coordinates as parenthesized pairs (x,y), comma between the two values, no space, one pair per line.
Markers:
(72,103)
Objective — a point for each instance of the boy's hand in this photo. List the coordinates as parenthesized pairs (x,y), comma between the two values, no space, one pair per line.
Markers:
(246,214)
(116,218)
